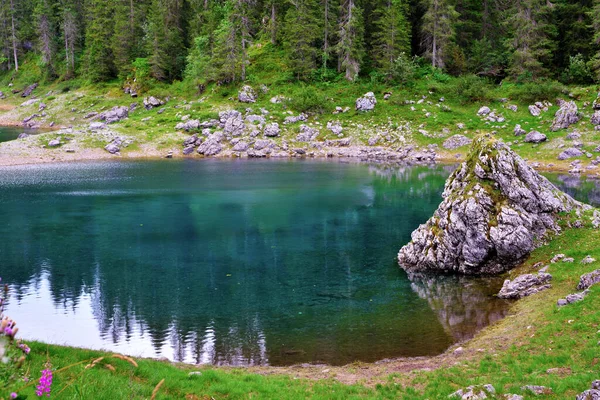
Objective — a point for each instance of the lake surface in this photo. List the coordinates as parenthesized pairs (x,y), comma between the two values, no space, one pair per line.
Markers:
(12,132)
(245,262)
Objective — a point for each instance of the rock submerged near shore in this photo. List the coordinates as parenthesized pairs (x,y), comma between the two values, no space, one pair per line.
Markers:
(496,209)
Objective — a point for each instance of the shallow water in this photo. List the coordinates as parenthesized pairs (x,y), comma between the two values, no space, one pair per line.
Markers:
(12,132)
(240,262)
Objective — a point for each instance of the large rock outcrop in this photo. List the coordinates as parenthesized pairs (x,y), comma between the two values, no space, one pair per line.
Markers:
(496,210)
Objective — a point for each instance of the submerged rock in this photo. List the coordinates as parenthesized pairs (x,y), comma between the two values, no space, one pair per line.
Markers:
(496,210)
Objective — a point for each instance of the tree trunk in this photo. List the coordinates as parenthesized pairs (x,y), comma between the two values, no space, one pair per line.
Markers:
(326,36)
(14,36)
(273,26)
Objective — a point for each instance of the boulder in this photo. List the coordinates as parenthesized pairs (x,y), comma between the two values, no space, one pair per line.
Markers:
(567,115)
(496,209)
(474,393)
(189,125)
(116,114)
(525,285)
(366,103)
(293,119)
(210,148)
(23,135)
(571,152)
(232,122)
(456,141)
(591,394)
(28,90)
(247,95)
(241,146)
(272,130)
(29,102)
(96,126)
(335,127)
(152,102)
(307,134)
(519,131)
(596,118)
(596,103)
(262,144)
(535,137)
(485,110)
(587,280)
(188,150)
(535,110)
(573,298)
(54,143)
(112,148)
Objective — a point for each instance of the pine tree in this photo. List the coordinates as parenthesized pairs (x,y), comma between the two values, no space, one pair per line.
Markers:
(46,29)
(70,32)
(350,48)
(595,17)
(301,32)
(226,57)
(393,35)
(98,58)
(124,35)
(241,19)
(530,40)
(438,30)
(166,47)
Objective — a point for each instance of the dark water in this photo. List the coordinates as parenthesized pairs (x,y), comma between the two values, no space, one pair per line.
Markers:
(12,132)
(230,262)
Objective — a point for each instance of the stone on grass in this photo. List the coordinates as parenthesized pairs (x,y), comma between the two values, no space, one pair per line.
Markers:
(456,141)
(571,152)
(535,137)
(525,285)
(366,103)
(589,279)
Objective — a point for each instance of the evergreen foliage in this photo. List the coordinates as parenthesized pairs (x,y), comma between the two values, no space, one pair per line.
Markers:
(215,40)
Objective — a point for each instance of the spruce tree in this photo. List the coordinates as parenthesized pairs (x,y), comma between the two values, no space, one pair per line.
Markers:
(438,30)
(530,40)
(166,39)
(226,60)
(392,37)
(595,17)
(98,58)
(44,15)
(70,34)
(301,32)
(123,40)
(350,48)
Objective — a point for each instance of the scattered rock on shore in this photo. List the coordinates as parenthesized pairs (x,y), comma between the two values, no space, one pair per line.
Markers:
(152,102)
(456,141)
(571,152)
(525,285)
(28,90)
(535,137)
(116,114)
(567,115)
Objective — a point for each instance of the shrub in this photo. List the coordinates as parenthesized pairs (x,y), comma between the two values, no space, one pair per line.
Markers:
(404,69)
(539,91)
(471,89)
(577,72)
(307,99)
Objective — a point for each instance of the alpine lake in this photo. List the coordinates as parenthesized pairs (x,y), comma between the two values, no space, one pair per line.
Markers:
(234,262)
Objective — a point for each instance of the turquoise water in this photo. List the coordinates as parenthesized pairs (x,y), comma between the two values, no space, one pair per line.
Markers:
(240,262)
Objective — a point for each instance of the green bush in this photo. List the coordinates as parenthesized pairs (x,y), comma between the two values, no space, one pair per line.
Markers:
(539,91)
(307,99)
(577,72)
(404,69)
(472,89)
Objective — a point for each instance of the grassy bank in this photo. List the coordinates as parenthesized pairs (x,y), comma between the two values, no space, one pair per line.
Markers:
(425,113)
(538,344)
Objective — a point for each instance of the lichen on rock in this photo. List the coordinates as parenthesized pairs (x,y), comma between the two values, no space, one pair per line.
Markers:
(496,209)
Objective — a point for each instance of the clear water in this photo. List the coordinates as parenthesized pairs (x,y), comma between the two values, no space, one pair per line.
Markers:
(230,262)
(12,132)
